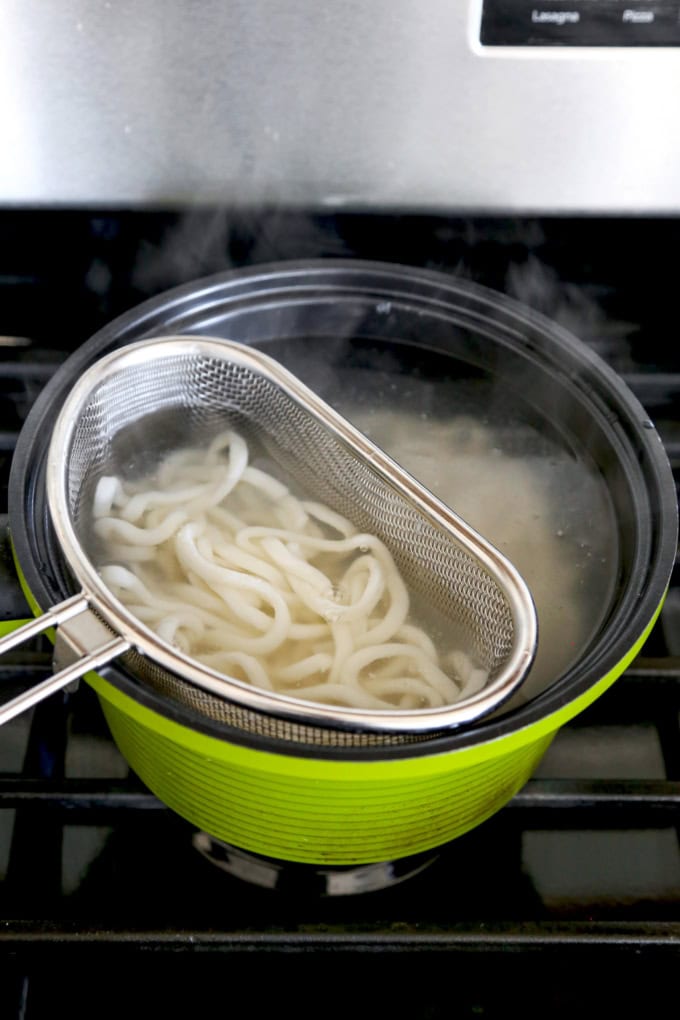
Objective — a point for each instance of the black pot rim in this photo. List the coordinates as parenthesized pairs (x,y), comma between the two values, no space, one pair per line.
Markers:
(160,314)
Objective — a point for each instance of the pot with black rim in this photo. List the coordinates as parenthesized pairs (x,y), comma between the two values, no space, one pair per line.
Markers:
(448,359)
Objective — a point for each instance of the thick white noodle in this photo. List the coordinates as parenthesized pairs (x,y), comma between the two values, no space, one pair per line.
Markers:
(225,563)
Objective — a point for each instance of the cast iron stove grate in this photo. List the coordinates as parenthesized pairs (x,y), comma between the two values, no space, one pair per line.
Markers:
(577,879)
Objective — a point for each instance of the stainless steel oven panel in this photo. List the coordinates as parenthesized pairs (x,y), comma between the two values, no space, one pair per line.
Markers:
(388,103)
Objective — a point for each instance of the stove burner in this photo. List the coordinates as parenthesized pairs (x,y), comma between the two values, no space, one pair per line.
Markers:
(285,876)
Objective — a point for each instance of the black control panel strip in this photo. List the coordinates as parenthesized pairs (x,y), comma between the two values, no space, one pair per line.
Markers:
(580,23)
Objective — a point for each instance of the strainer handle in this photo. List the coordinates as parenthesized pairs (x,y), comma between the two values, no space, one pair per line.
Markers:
(93,659)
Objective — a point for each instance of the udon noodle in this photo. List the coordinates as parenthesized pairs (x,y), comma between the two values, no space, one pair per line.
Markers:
(223,562)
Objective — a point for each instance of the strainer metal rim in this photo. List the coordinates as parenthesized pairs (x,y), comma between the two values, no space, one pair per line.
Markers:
(147,643)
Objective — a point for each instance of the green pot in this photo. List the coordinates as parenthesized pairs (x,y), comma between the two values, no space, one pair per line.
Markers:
(342,805)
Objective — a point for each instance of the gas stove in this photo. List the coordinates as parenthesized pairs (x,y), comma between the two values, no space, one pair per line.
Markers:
(576,881)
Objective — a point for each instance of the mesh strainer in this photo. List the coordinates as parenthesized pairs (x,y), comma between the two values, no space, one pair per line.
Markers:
(136,405)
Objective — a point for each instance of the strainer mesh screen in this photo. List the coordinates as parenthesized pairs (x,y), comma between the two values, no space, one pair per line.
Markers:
(135,416)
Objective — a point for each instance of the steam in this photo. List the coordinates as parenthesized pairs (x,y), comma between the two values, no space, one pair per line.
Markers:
(206,241)
(576,307)
(197,244)
(513,256)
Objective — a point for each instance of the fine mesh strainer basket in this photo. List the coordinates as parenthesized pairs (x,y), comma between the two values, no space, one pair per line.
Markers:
(136,406)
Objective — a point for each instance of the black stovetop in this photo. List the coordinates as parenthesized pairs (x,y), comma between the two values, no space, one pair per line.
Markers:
(577,880)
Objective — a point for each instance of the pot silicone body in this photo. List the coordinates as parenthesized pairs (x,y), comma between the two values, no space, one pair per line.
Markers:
(320,810)
(307,810)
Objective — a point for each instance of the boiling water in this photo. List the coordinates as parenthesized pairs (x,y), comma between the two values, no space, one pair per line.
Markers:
(536,495)
(544,510)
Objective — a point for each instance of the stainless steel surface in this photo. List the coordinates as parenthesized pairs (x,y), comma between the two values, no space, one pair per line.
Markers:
(475,590)
(78,636)
(390,104)
(101,647)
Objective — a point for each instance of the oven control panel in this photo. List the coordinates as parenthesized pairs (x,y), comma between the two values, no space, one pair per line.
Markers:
(580,23)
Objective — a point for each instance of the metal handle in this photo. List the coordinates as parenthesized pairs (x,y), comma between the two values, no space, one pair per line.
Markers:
(91,658)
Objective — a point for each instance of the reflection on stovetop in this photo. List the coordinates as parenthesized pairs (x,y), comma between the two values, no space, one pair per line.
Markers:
(579,875)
